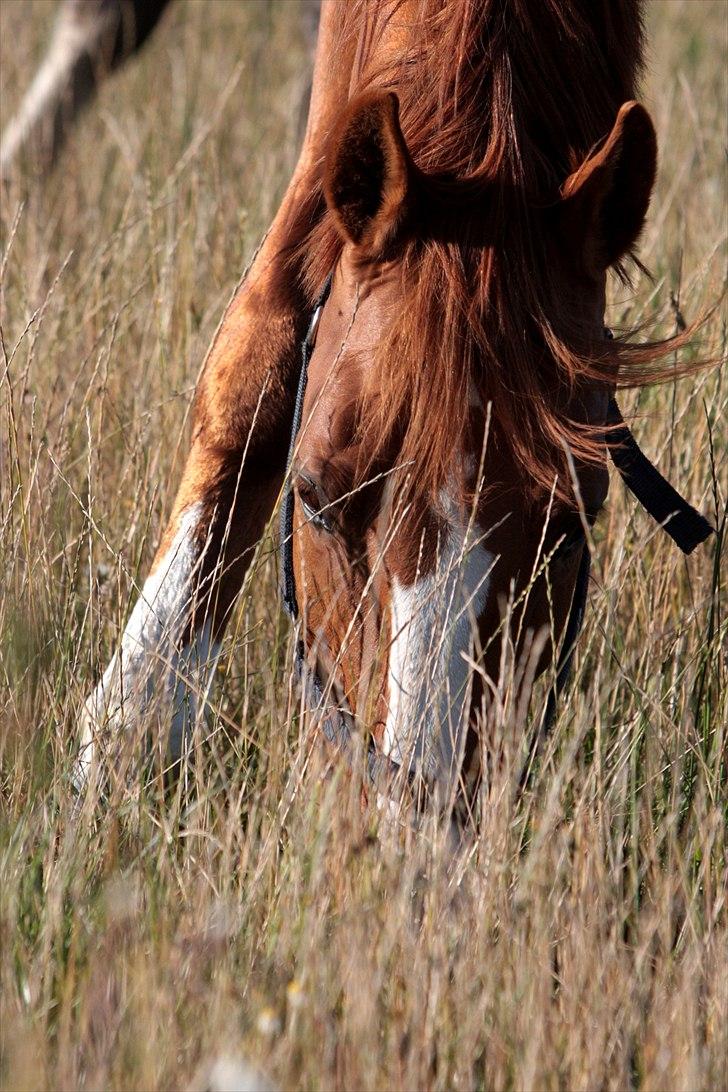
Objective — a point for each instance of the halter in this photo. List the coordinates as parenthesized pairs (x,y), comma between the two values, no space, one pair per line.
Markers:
(677,517)
(335,722)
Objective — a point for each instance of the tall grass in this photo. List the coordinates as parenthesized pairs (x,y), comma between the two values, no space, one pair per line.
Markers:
(582,942)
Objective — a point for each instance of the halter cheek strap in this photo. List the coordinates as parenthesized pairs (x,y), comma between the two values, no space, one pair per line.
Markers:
(335,723)
(683,523)
(288,577)
(677,517)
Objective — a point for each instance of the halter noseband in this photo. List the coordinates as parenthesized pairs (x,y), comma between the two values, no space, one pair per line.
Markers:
(677,517)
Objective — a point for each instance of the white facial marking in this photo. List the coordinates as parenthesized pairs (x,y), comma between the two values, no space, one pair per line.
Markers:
(432,632)
(150,664)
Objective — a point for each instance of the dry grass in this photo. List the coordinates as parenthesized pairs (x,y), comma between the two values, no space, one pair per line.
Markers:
(585,944)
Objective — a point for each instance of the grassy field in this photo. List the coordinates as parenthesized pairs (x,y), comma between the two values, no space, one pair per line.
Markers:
(583,943)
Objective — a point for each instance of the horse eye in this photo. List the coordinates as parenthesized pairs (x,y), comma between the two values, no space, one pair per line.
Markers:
(315,505)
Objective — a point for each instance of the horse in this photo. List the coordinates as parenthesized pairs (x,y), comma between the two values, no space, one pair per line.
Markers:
(417,361)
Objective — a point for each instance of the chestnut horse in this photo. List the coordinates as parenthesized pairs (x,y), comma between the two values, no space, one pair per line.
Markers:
(469,175)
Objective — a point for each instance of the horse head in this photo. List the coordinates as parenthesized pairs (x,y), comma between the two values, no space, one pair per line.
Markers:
(428,538)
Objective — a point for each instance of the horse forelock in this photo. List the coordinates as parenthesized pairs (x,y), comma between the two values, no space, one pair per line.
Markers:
(499,102)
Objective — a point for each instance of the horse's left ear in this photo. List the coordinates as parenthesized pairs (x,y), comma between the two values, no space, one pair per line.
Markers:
(605,201)
(369,173)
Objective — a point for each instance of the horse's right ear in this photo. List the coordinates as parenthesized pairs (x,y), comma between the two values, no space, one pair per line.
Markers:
(368,177)
(605,201)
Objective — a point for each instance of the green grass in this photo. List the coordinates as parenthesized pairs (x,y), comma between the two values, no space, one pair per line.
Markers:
(254,912)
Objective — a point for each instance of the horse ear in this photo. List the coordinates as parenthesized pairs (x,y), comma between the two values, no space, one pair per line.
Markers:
(605,201)
(369,173)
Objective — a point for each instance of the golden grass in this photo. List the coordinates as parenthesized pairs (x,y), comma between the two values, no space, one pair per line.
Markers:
(584,943)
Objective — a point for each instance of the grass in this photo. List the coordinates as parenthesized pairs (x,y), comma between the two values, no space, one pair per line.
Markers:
(259,916)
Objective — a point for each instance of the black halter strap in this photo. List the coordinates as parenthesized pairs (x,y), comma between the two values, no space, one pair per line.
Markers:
(288,577)
(335,722)
(334,726)
(677,517)
(685,525)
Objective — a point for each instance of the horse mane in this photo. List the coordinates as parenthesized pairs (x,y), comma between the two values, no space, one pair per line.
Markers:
(500,100)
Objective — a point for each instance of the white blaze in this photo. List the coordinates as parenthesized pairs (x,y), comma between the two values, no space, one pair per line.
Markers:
(150,663)
(432,634)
